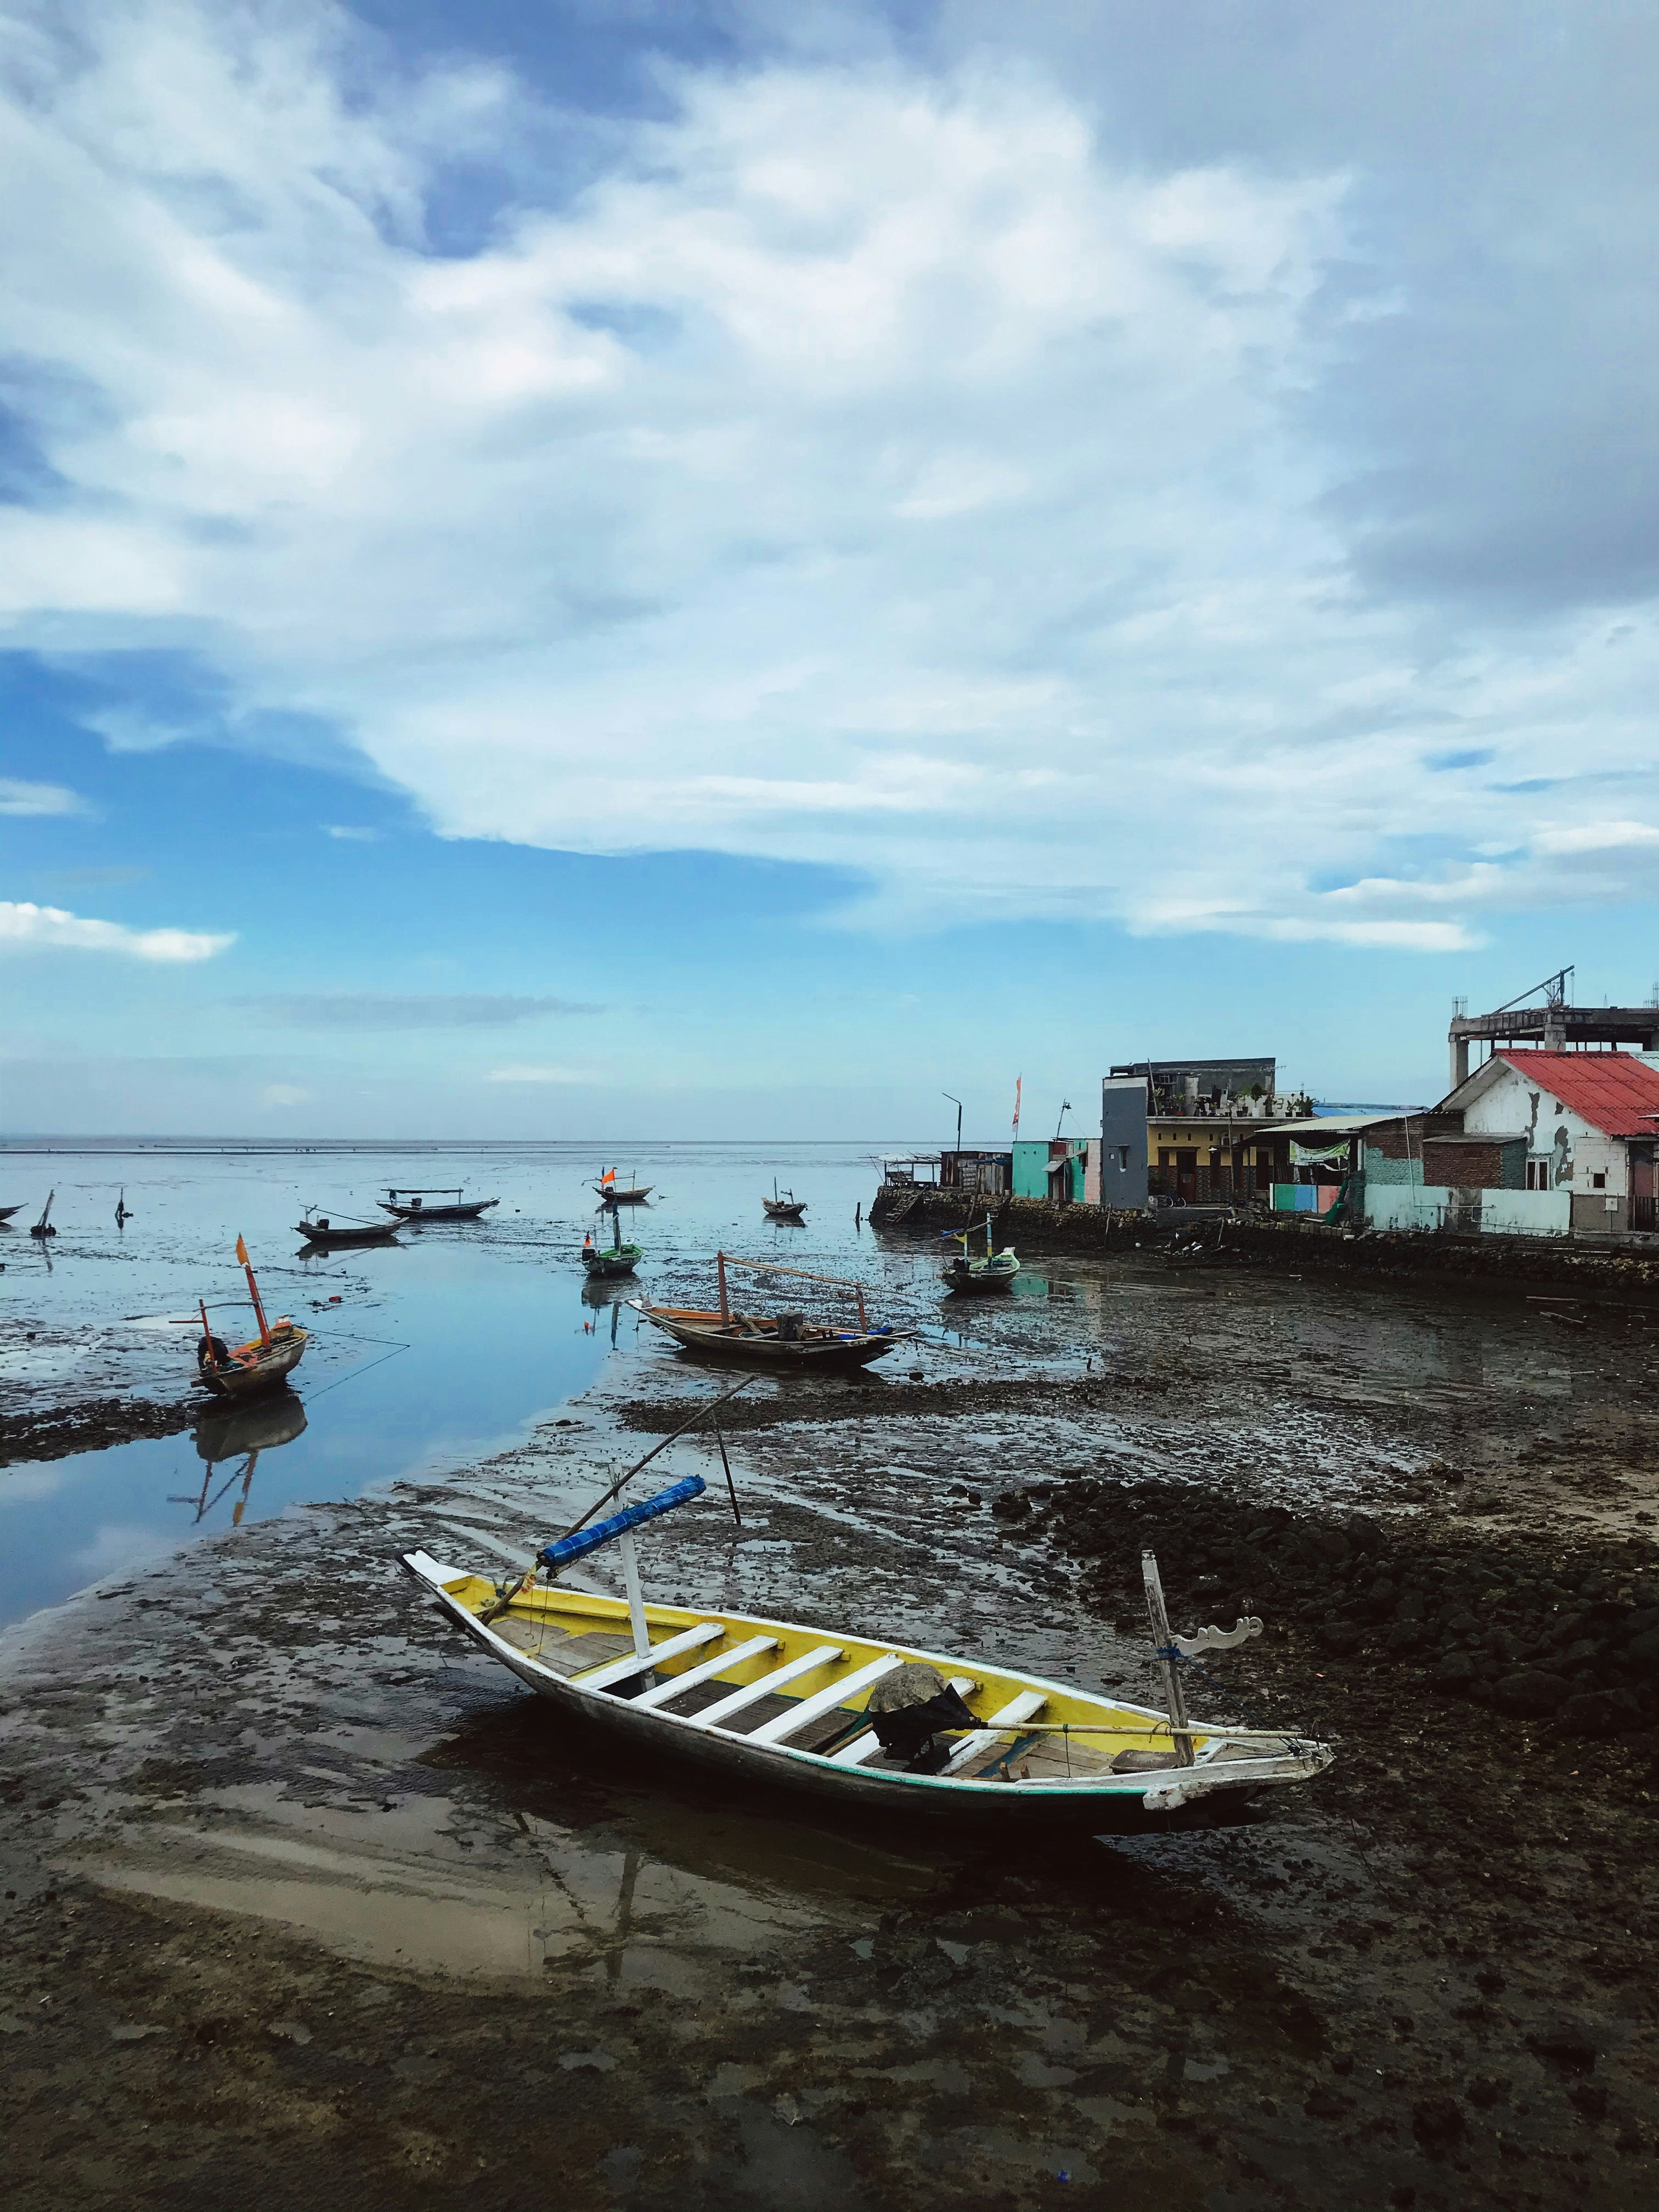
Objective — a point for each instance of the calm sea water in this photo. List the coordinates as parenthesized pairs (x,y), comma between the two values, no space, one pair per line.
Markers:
(442,1347)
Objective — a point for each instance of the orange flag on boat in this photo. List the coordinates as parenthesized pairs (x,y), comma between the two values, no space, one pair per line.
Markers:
(610,1175)
(241,1251)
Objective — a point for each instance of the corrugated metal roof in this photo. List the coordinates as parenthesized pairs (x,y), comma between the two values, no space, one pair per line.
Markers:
(1613,1092)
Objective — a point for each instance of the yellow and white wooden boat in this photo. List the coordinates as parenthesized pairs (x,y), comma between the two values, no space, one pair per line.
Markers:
(761,1700)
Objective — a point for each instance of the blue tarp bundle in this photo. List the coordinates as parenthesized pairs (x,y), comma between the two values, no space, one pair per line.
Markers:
(602,1532)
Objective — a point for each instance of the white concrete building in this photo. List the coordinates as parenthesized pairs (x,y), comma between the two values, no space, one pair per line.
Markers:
(1591,1121)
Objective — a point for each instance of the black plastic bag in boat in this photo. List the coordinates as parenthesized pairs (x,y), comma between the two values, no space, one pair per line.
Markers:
(913,1704)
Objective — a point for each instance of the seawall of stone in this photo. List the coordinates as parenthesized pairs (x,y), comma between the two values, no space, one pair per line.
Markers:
(1615,1272)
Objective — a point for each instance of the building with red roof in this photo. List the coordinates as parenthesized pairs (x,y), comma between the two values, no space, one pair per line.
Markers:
(1590,1120)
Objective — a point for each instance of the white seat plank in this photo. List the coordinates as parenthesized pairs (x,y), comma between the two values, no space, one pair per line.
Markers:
(823,1701)
(752,1692)
(706,1672)
(1021,1708)
(867,1744)
(642,1662)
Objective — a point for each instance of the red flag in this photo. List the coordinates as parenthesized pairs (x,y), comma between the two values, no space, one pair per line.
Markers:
(1019,1080)
(610,1175)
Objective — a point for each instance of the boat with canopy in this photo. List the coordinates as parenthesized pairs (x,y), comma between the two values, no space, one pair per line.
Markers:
(856,1723)
(788,1340)
(411,1204)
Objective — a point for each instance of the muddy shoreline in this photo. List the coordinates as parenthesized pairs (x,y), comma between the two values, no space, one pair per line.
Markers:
(295,1883)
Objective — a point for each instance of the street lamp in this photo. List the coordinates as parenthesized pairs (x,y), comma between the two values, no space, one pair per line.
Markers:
(956,1102)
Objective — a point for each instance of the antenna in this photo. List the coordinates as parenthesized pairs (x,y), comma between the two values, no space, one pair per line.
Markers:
(1064,1109)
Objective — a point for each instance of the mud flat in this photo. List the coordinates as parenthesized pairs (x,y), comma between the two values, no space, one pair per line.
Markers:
(302,1896)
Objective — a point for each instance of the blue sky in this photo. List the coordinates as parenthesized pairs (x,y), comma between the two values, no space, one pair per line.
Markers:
(591,570)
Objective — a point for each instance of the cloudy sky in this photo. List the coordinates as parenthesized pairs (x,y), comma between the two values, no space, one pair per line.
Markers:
(602,568)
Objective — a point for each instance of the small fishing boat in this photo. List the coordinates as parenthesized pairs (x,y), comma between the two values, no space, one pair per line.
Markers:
(858,1723)
(264,1363)
(784,1206)
(320,1229)
(974,1273)
(412,1206)
(43,1227)
(123,1211)
(615,1258)
(621,1193)
(7,1212)
(787,1340)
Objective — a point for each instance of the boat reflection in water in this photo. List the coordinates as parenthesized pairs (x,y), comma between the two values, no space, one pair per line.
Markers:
(241,1432)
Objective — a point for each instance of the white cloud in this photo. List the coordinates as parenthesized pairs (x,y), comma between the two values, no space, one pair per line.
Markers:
(28,927)
(351,833)
(865,468)
(284,1094)
(17,798)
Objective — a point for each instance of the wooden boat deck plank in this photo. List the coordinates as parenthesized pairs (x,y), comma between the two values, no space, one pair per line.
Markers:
(676,1686)
(803,1710)
(640,1662)
(808,1662)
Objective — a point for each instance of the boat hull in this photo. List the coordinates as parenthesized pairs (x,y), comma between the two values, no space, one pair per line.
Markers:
(372,1234)
(710,1340)
(269,1370)
(972,1285)
(1101,1805)
(607,1265)
(416,1214)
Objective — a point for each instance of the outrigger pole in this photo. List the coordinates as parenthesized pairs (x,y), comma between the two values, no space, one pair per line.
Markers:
(517,1589)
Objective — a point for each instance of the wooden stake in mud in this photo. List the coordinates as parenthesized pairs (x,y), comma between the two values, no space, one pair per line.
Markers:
(730,1485)
(725,1303)
(1163,1645)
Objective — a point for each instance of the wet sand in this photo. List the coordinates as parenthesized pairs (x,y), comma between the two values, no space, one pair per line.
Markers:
(302,1895)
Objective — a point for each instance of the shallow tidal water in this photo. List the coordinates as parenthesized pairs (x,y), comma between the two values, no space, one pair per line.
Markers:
(443,1347)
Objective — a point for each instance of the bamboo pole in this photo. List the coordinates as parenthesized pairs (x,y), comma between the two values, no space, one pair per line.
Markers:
(1163,1643)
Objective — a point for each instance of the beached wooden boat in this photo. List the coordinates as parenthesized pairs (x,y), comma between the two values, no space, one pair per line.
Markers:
(320,1229)
(44,1227)
(787,1340)
(264,1363)
(859,1724)
(7,1212)
(784,1206)
(973,1273)
(410,1205)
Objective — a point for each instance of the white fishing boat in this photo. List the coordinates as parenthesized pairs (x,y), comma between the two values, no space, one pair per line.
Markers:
(857,1722)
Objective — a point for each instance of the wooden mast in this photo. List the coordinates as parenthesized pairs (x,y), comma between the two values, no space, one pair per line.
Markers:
(253,1291)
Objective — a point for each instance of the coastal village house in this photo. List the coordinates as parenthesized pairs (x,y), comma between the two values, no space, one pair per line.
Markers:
(1539,1143)
(1214,1128)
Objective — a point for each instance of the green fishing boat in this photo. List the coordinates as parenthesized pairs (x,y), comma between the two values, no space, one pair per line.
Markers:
(615,1258)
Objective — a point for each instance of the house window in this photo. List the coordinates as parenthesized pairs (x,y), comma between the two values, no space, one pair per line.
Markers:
(1123,1159)
(1598,1182)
